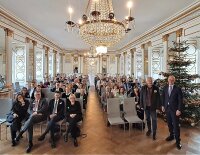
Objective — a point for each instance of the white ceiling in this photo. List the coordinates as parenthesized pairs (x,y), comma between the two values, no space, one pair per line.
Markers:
(49,16)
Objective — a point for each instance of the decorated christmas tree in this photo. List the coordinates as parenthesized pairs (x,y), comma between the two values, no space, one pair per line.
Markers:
(178,66)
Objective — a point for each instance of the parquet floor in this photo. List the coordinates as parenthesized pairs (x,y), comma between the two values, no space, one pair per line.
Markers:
(99,140)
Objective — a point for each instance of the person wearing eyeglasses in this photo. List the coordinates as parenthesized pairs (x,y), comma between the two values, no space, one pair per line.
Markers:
(56,114)
(38,111)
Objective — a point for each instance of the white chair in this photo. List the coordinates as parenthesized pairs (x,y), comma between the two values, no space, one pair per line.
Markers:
(113,112)
(130,113)
(6,105)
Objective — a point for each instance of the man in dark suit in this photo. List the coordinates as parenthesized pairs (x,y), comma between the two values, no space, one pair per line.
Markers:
(38,110)
(150,101)
(56,114)
(57,87)
(172,105)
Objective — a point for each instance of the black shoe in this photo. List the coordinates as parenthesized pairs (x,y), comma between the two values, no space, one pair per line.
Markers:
(30,145)
(148,133)
(178,146)
(19,136)
(170,138)
(154,136)
(41,138)
(13,143)
(66,137)
(75,142)
(53,144)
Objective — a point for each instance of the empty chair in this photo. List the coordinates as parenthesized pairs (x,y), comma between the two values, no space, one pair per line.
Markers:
(6,105)
(130,113)
(50,95)
(45,91)
(113,112)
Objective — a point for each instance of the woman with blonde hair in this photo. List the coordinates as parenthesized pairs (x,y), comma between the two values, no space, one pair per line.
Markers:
(73,115)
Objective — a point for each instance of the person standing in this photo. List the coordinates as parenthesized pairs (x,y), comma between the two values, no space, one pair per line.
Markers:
(172,104)
(150,101)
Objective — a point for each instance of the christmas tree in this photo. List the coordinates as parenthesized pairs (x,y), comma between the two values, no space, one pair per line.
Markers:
(178,66)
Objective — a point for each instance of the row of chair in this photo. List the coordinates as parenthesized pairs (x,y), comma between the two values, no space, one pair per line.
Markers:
(6,105)
(130,116)
(49,94)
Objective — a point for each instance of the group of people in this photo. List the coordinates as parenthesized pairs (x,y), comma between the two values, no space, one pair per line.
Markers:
(31,107)
(148,98)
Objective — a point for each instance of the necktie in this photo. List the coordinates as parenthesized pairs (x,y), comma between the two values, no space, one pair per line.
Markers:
(170,90)
(55,107)
(36,106)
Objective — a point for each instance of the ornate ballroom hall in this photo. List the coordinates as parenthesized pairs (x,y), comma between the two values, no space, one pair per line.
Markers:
(89,47)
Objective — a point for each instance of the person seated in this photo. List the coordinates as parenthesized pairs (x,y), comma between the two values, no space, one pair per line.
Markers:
(38,89)
(25,93)
(32,90)
(107,94)
(75,85)
(57,87)
(56,111)
(38,111)
(20,114)
(135,92)
(122,95)
(83,96)
(115,90)
(73,116)
(42,85)
(67,93)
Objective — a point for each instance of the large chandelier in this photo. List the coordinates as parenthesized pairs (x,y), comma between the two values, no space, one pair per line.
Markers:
(99,27)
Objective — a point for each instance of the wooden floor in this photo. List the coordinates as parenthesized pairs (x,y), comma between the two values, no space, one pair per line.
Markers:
(98,140)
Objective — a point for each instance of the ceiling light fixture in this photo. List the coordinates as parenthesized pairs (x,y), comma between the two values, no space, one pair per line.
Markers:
(99,27)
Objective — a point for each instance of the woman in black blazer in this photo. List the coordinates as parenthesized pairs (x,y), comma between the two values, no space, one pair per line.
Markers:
(73,115)
(19,109)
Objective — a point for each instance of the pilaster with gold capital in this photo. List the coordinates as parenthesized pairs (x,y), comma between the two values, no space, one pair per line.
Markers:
(165,52)
(9,40)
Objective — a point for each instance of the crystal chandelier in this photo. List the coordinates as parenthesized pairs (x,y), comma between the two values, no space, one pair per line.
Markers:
(99,27)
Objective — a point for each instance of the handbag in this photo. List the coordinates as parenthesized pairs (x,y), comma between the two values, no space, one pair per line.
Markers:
(10,117)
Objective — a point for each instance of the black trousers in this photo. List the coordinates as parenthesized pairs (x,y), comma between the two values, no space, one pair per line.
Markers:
(72,124)
(51,125)
(173,124)
(14,127)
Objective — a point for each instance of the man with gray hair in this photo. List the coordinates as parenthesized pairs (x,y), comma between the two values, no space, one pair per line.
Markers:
(38,110)
(150,101)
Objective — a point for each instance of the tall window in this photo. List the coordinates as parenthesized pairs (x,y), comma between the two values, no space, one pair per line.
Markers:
(39,59)
(58,62)
(156,63)
(51,64)
(192,56)
(19,64)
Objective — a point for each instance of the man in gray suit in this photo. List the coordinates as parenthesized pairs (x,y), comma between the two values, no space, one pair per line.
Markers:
(38,111)
(150,101)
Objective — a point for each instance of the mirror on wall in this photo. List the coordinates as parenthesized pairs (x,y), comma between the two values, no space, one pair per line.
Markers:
(2,57)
